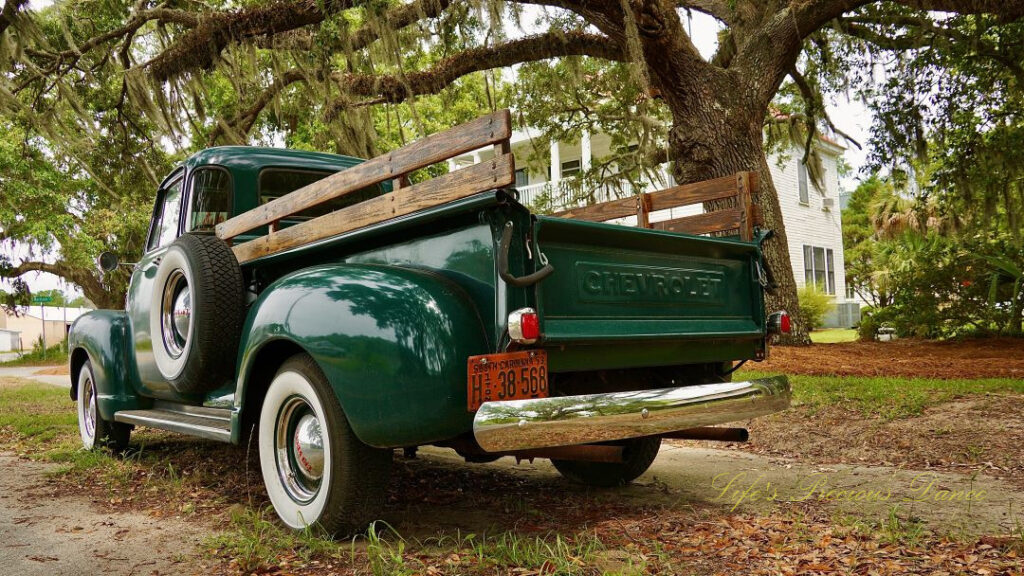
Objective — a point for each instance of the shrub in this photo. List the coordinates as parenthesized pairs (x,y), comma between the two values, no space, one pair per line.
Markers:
(814,305)
(867,328)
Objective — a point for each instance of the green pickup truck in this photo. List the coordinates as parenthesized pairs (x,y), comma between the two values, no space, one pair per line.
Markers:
(338,309)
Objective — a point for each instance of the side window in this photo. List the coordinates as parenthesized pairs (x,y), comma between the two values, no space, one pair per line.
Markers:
(165,229)
(211,199)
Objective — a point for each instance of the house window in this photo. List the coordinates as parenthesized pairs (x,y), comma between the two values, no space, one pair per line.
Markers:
(801,172)
(570,168)
(522,178)
(819,268)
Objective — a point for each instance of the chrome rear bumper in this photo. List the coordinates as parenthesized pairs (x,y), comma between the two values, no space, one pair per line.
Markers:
(569,420)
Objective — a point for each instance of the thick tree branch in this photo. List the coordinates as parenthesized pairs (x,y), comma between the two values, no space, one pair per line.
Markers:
(199,48)
(398,87)
(84,279)
(923,35)
(397,18)
(9,13)
(717,9)
(774,47)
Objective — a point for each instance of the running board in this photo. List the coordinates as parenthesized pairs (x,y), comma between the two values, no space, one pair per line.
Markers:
(201,421)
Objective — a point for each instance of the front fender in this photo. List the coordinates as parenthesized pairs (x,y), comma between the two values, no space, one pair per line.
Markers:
(104,337)
(393,343)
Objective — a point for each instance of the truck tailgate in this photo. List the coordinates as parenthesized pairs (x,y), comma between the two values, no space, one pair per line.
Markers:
(618,283)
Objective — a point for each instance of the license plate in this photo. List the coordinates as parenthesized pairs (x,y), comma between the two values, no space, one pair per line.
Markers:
(509,376)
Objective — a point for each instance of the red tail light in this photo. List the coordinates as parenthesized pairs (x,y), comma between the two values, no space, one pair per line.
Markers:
(524,326)
(779,323)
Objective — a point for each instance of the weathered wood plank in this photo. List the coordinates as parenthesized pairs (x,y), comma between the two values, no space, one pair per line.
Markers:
(481,132)
(496,173)
(745,202)
(643,210)
(604,211)
(695,193)
(719,221)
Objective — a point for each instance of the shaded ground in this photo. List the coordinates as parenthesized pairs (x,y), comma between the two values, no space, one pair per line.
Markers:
(818,490)
(46,531)
(975,434)
(994,358)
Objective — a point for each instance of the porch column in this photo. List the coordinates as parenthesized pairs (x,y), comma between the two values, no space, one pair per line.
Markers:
(556,164)
(476,157)
(585,152)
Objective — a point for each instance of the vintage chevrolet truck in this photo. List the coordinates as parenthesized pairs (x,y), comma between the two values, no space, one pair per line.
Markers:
(336,310)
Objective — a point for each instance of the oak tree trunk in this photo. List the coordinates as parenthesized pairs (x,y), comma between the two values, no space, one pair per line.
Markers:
(709,140)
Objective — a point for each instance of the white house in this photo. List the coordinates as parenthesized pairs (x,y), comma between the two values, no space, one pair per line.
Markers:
(812,217)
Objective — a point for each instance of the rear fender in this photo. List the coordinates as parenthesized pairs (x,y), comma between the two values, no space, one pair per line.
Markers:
(103,338)
(393,343)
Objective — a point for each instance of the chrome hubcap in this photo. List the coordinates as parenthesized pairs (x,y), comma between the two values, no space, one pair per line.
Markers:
(89,404)
(176,313)
(299,448)
(309,448)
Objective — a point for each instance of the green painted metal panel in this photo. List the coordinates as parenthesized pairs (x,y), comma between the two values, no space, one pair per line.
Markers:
(617,283)
(392,341)
(105,337)
(612,356)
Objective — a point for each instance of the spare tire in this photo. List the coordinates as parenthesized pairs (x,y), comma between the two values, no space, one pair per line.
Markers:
(198,306)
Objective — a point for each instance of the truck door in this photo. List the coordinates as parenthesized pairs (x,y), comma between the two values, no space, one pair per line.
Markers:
(164,229)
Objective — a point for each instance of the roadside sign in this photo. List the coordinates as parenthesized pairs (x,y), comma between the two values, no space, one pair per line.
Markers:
(41,299)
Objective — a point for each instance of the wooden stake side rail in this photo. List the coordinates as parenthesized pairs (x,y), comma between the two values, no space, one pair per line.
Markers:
(496,173)
(741,217)
(494,128)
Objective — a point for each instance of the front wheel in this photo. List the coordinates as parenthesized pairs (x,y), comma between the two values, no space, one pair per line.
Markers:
(637,457)
(317,472)
(95,431)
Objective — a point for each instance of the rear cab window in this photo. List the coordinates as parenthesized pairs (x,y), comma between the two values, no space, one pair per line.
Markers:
(276,182)
(211,198)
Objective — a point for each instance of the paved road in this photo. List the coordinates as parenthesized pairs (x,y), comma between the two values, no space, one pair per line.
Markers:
(29,372)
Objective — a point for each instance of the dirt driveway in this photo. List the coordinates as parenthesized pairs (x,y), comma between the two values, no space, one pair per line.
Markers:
(46,529)
(815,488)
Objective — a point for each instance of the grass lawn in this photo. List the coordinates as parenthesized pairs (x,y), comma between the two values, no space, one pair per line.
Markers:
(834,335)
(885,396)
(54,355)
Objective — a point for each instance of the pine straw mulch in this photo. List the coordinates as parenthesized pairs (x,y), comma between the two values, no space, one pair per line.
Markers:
(981,358)
(978,433)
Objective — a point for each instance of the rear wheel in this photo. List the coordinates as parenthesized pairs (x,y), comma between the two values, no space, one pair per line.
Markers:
(637,456)
(317,472)
(94,430)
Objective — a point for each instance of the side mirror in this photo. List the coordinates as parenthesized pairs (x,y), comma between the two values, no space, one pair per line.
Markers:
(108,261)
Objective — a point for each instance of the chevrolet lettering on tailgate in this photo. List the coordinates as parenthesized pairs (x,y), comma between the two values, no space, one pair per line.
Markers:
(651,284)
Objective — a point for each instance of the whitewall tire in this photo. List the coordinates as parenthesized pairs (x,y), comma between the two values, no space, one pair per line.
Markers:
(94,430)
(317,472)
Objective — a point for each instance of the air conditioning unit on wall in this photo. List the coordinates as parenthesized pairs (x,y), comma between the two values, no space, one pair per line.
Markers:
(828,203)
